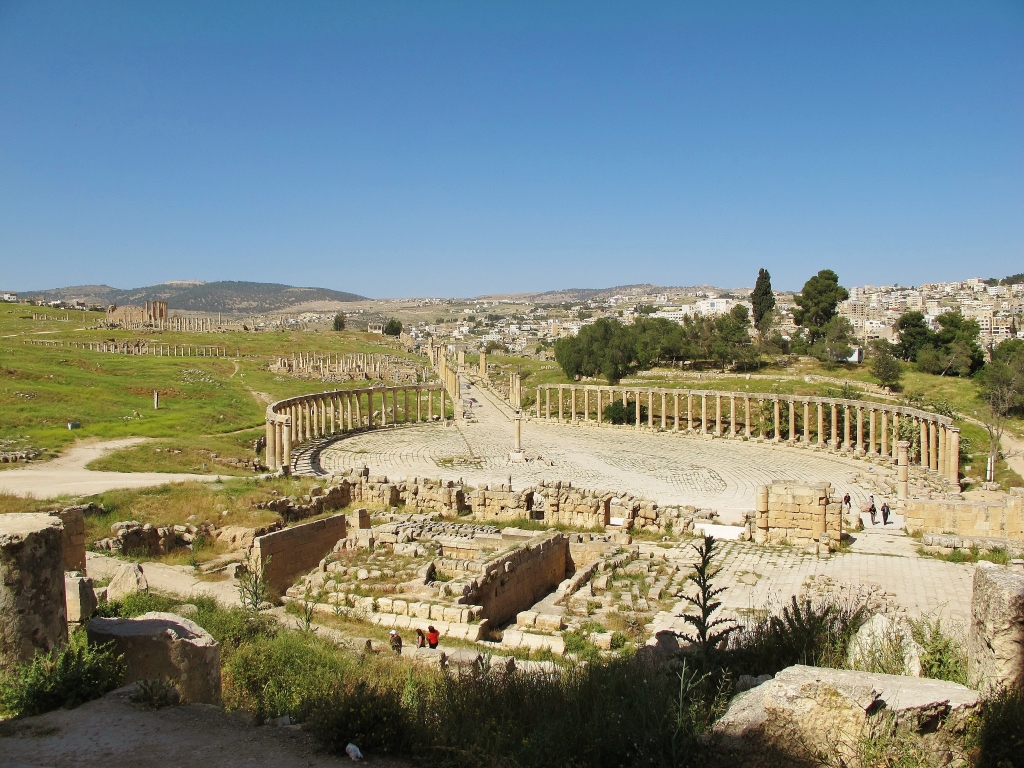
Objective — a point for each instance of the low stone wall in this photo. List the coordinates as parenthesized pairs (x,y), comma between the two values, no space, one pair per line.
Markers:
(968,518)
(289,553)
(520,578)
(797,513)
(946,543)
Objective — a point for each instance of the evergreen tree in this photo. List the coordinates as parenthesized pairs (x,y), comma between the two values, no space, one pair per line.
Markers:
(817,303)
(762,298)
(339,321)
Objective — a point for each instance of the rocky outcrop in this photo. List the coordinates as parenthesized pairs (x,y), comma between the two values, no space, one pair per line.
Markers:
(995,643)
(805,712)
(127,580)
(165,646)
(33,615)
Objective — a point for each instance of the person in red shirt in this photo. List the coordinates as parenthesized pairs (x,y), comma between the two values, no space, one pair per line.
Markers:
(433,637)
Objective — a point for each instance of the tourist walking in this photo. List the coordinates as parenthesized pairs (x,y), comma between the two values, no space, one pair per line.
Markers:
(396,642)
(433,637)
(885,513)
(849,504)
(873,511)
(421,639)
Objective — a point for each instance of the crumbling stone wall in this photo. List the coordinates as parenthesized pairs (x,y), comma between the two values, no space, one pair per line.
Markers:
(73,519)
(995,642)
(798,513)
(968,518)
(518,579)
(288,553)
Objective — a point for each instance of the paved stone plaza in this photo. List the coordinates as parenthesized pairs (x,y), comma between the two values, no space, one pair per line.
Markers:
(669,468)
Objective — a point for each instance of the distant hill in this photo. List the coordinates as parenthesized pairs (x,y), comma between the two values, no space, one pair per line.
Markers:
(223,296)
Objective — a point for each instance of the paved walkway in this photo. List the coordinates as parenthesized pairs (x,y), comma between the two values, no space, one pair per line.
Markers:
(670,468)
(67,475)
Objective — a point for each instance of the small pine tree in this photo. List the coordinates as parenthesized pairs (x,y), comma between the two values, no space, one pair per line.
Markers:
(887,370)
(762,299)
(339,321)
(393,328)
(711,633)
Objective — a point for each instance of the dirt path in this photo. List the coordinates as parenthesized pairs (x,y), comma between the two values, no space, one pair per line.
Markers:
(67,475)
(115,731)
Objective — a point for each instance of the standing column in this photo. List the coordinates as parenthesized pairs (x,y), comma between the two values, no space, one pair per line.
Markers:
(778,425)
(405,413)
(572,405)
(675,401)
(943,470)
(638,409)
(902,460)
(286,458)
(650,409)
(933,446)
(419,405)
(600,402)
(807,422)
(718,414)
(538,402)
(746,416)
(271,460)
(586,404)
(689,412)
(846,428)
(925,463)
(872,434)
(561,397)
(821,424)
(884,450)
(834,408)
(859,450)
(791,437)
(953,462)
(430,404)
(664,403)
(732,415)
(278,443)
(895,434)
(703,413)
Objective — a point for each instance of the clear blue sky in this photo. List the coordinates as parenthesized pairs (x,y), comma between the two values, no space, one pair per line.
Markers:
(418,148)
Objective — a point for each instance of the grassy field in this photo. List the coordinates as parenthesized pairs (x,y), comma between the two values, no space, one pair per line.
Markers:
(109,395)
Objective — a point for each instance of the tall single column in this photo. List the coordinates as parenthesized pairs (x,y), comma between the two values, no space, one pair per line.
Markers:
(704,413)
(600,402)
(538,402)
(778,420)
(953,459)
(675,406)
(859,450)
(286,451)
(933,447)
(884,450)
(638,409)
(746,416)
(942,468)
(732,415)
(650,409)
(925,461)
(807,422)
(821,424)
(718,414)
(664,403)
(791,436)
(902,477)
(561,397)
(271,460)
(572,404)
(872,434)
(689,412)
(430,405)
(405,413)
(895,434)
(586,404)
(846,428)
(279,430)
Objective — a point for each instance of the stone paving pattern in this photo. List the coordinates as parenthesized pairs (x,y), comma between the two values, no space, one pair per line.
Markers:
(669,468)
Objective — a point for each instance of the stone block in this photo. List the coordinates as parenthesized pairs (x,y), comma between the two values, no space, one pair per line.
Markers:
(33,613)
(995,642)
(127,580)
(401,607)
(436,613)
(165,646)
(549,622)
(422,610)
(79,596)
(804,708)
(526,618)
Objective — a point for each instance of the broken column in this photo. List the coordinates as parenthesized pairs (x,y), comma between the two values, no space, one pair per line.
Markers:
(995,642)
(32,612)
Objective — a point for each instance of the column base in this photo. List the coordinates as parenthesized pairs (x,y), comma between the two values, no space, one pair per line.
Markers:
(519,455)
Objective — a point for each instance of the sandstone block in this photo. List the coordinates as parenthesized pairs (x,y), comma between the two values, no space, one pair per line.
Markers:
(165,646)
(995,642)
(79,596)
(549,622)
(526,618)
(804,708)
(33,614)
(127,580)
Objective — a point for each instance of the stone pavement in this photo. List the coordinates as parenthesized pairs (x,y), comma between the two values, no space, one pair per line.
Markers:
(669,468)
(884,563)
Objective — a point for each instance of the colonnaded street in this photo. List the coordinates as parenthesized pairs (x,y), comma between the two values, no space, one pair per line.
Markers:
(719,474)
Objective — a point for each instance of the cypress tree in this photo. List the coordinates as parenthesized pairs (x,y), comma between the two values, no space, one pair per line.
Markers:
(762,299)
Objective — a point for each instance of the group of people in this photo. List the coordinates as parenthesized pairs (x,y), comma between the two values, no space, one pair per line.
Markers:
(872,509)
(428,639)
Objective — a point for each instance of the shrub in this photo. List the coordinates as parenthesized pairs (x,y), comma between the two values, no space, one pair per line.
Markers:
(945,654)
(998,735)
(73,676)
(370,715)
(617,413)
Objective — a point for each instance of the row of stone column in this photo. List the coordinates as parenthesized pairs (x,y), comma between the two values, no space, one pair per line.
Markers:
(196,324)
(868,429)
(299,419)
(449,375)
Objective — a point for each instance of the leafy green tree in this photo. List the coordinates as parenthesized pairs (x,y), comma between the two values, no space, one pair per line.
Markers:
(954,350)
(1001,387)
(834,340)
(817,302)
(339,321)
(887,369)
(762,298)
(393,327)
(914,333)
